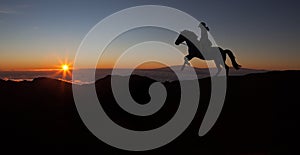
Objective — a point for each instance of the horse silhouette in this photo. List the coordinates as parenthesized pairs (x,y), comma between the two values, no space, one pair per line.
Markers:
(208,52)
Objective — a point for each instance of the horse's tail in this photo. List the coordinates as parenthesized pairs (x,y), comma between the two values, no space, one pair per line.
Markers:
(232,58)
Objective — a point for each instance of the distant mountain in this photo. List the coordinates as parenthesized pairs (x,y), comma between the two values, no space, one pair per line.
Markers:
(159,74)
(167,73)
(260,116)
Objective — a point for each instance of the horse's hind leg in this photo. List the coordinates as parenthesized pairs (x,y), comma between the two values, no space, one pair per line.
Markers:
(227,69)
(219,68)
(218,63)
(224,60)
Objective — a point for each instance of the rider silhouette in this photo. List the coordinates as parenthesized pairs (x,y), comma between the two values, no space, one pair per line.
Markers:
(205,43)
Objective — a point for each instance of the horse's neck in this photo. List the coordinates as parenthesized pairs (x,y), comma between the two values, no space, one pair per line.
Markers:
(194,42)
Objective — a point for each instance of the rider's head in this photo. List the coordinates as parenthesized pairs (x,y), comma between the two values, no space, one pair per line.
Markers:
(202,24)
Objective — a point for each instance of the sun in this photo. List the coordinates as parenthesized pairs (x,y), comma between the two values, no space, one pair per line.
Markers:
(65,67)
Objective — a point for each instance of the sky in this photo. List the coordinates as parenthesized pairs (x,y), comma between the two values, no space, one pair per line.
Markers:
(39,34)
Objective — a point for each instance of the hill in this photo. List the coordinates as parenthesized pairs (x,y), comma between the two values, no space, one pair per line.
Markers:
(259,116)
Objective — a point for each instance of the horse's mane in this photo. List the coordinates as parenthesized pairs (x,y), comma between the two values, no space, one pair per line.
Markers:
(189,34)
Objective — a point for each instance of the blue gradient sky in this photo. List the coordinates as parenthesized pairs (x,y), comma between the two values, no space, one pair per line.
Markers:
(37,34)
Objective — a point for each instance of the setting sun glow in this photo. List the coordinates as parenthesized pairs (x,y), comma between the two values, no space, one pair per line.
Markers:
(65,67)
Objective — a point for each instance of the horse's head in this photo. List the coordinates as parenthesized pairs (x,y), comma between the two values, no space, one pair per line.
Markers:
(180,39)
(185,36)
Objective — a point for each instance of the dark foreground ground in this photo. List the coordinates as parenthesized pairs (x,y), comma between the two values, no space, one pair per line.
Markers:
(260,116)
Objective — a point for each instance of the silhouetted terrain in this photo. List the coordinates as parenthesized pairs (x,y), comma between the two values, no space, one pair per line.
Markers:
(259,117)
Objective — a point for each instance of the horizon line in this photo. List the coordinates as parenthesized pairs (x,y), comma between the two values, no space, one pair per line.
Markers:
(106,68)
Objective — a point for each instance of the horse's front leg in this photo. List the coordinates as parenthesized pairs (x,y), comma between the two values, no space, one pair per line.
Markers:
(186,61)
